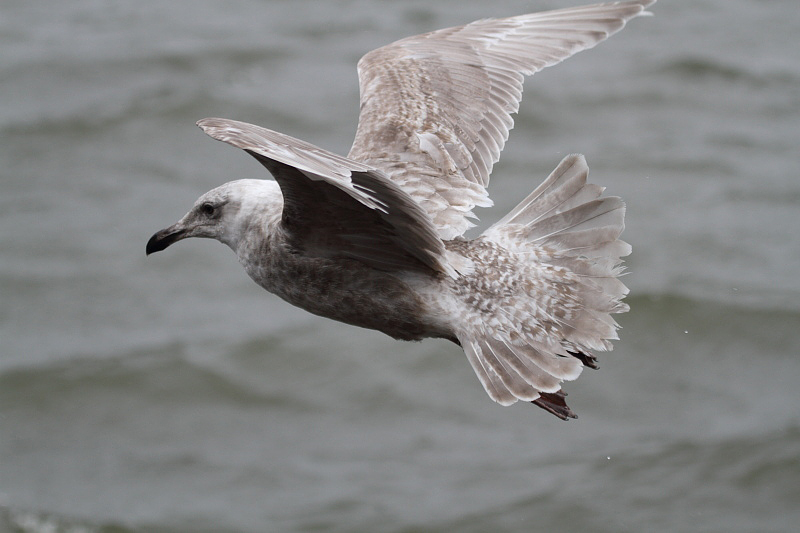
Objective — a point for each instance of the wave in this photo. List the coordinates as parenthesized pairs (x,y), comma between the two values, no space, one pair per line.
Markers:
(104,92)
(286,371)
(24,521)
(722,296)
(700,68)
(161,375)
(31,521)
(736,484)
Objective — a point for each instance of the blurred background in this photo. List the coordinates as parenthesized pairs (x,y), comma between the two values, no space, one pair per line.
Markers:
(172,394)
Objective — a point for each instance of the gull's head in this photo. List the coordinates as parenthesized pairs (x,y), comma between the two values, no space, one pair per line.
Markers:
(225,214)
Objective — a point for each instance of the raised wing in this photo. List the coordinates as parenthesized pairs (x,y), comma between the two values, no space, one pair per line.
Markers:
(337,207)
(436,108)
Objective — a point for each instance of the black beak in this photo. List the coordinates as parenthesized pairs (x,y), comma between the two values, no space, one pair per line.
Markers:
(162,239)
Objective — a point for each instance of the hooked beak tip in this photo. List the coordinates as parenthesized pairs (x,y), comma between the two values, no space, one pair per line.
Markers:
(162,239)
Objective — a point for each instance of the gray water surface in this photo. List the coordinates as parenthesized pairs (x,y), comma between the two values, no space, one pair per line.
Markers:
(170,394)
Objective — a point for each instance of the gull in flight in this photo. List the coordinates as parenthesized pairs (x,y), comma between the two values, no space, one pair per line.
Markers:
(375,239)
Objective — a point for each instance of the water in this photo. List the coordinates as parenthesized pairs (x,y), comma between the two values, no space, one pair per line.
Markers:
(169,394)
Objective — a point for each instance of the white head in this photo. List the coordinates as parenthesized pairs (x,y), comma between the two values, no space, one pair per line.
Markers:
(224,214)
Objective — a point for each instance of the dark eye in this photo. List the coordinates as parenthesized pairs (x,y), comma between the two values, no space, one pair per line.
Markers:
(207,209)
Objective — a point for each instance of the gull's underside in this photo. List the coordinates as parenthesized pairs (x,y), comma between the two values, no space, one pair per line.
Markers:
(375,238)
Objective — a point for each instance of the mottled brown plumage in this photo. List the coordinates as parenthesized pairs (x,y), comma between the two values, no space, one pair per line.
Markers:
(375,239)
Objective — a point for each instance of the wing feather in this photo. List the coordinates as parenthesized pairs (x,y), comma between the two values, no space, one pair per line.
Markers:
(461,85)
(337,206)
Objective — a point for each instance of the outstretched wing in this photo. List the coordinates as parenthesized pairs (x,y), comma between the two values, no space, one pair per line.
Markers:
(436,108)
(336,207)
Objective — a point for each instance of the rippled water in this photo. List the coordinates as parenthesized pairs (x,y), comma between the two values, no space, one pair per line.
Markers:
(170,394)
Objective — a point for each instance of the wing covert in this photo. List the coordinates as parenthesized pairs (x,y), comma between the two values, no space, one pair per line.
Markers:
(337,207)
(436,108)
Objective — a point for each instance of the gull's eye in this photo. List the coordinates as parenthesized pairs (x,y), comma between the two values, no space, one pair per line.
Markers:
(207,209)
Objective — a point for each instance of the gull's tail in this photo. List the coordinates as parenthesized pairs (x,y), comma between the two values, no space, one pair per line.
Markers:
(562,255)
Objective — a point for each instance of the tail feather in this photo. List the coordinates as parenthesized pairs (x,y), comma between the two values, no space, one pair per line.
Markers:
(587,193)
(613,287)
(608,212)
(560,367)
(564,182)
(491,382)
(567,238)
(534,374)
(514,377)
(597,242)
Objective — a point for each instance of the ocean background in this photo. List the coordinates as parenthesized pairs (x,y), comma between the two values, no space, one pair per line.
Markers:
(171,394)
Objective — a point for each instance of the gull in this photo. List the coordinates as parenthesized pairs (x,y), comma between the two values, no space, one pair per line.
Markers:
(376,239)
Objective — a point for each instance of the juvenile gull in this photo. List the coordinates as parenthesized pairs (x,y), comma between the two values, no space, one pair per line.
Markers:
(374,239)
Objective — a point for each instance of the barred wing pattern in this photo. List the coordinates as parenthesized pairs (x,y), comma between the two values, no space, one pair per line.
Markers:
(436,108)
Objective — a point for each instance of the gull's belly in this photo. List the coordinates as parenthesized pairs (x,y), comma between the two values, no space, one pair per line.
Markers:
(348,291)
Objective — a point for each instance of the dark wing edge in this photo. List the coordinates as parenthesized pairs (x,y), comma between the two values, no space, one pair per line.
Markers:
(310,176)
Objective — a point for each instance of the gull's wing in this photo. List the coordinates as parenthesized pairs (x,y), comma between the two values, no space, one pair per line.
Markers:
(436,108)
(335,207)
